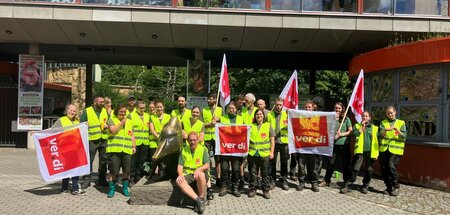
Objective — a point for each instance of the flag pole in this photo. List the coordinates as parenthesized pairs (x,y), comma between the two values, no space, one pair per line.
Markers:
(343,119)
(220,82)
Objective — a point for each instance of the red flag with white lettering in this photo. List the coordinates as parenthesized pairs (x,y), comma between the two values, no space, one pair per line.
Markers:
(357,99)
(290,93)
(63,152)
(232,140)
(224,86)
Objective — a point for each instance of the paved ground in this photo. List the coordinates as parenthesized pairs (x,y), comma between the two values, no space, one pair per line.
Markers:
(23,192)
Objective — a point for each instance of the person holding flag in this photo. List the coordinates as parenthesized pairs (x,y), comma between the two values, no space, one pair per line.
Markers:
(68,120)
(229,119)
(366,150)
(121,146)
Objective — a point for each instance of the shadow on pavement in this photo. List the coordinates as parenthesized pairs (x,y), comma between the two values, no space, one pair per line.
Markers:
(46,190)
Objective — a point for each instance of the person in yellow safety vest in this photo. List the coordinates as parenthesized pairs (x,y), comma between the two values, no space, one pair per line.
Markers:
(68,120)
(131,105)
(193,164)
(231,118)
(108,106)
(308,164)
(151,108)
(182,112)
(121,146)
(392,135)
(261,147)
(248,112)
(141,130)
(97,118)
(366,150)
(157,123)
(278,119)
(261,104)
(195,124)
(211,115)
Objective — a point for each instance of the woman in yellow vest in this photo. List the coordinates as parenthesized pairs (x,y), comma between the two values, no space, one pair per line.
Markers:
(231,118)
(68,120)
(392,136)
(121,145)
(261,147)
(366,149)
(158,120)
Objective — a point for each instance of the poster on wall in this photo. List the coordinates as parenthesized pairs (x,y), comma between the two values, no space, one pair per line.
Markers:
(198,83)
(31,92)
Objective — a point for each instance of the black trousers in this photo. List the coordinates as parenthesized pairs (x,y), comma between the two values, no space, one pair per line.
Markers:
(116,161)
(235,170)
(138,160)
(284,157)
(309,165)
(357,162)
(100,146)
(389,163)
(256,163)
(340,153)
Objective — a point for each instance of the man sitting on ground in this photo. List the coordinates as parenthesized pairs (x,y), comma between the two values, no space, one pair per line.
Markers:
(193,164)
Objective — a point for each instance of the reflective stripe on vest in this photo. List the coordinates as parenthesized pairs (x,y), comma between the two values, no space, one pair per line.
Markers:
(121,142)
(260,140)
(65,121)
(207,118)
(391,140)
(192,163)
(158,126)
(359,144)
(141,128)
(272,119)
(95,124)
(197,127)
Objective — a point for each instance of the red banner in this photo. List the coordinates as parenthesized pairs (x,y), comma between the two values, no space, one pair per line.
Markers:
(232,140)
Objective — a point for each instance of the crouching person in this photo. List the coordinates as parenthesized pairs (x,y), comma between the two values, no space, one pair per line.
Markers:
(193,165)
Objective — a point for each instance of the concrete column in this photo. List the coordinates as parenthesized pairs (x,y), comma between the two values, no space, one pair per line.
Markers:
(199,55)
(89,76)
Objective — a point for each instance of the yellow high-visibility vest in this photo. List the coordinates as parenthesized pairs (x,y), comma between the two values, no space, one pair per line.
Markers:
(121,142)
(391,140)
(260,140)
(248,117)
(97,124)
(207,118)
(158,125)
(272,119)
(65,121)
(197,127)
(192,162)
(359,144)
(141,128)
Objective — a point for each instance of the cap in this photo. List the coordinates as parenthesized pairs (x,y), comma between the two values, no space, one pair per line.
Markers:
(131,96)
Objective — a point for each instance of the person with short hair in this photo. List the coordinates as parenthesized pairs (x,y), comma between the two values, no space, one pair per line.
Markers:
(141,131)
(182,112)
(69,119)
(261,104)
(193,164)
(248,112)
(121,146)
(392,135)
(131,104)
(96,117)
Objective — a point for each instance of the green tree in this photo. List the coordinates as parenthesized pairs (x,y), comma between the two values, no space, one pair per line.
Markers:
(104,89)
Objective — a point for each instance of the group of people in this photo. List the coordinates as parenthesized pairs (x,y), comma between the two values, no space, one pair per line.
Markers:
(126,137)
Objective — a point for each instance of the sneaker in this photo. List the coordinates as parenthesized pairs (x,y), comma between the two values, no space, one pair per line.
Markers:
(223,192)
(236,193)
(201,205)
(324,184)
(266,194)
(78,192)
(364,189)
(300,186)
(395,192)
(284,186)
(65,191)
(210,194)
(252,193)
(315,187)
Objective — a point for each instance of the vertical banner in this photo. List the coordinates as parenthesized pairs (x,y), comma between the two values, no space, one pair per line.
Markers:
(63,152)
(311,132)
(31,92)
(198,78)
(232,140)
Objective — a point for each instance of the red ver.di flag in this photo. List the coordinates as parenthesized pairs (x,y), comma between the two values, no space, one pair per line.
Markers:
(290,93)
(311,132)
(357,99)
(62,152)
(224,85)
(232,140)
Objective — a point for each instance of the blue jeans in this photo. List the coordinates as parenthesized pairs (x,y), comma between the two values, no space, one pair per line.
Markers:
(65,184)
